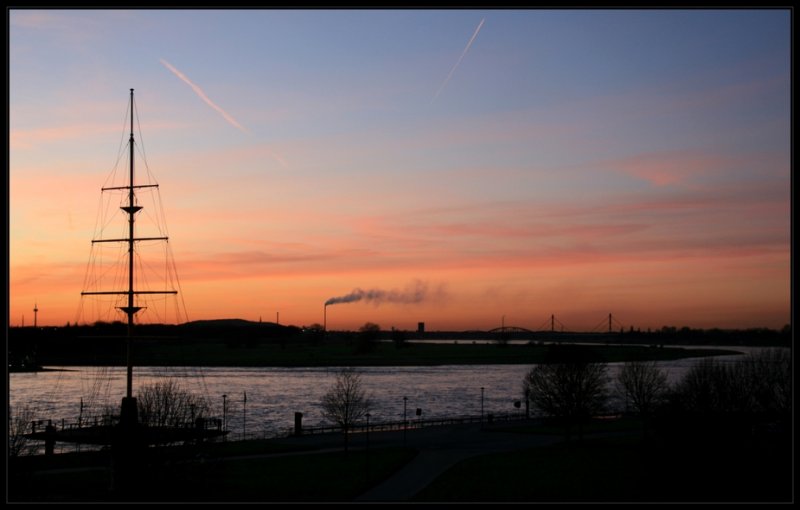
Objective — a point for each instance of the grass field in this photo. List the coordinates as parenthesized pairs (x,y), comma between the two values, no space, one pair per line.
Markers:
(621,469)
(336,476)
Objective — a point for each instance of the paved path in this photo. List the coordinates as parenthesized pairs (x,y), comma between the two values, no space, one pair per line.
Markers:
(439,447)
(442,447)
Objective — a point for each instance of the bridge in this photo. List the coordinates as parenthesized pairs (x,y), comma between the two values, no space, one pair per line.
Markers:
(510,329)
(550,326)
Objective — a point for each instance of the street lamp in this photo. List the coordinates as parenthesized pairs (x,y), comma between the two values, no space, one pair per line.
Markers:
(481,404)
(405,421)
(367,447)
(224,414)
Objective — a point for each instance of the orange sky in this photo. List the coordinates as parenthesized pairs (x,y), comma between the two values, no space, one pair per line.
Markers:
(576,163)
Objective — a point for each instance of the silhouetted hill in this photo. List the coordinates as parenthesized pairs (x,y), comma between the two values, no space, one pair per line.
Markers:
(227,323)
(232,330)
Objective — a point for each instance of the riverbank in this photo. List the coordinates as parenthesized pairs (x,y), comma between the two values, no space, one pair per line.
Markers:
(181,352)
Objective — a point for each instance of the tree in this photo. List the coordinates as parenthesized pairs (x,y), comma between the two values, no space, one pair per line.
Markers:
(568,387)
(315,333)
(17,428)
(399,338)
(757,384)
(770,371)
(644,386)
(346,402)
(747,397)
(166,404)
(367,336)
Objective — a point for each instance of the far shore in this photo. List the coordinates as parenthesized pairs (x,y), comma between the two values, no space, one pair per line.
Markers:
(38,369)
(220,354)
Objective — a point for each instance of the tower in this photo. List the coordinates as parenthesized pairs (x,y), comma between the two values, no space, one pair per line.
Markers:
(35,312)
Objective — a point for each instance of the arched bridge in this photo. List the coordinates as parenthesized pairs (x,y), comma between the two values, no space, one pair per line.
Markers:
(510,329)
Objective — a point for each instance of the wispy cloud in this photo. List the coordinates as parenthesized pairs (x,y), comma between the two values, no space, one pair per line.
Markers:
(466,49)
(204,97)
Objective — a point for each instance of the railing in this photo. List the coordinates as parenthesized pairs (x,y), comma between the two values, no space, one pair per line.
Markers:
(216,423)
(411,424)
(92,421)
(111,420)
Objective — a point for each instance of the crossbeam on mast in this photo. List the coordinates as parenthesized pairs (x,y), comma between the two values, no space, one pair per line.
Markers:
(129,187)
(127,240)
(126,292)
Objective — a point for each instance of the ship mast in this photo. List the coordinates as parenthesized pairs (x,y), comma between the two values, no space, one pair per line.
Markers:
(131,309)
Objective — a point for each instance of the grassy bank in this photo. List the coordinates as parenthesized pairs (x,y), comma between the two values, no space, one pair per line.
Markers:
(621,469)
(617,467)
(180,352)
(336,476)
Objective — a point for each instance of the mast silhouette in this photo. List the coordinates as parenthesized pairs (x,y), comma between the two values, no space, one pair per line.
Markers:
(131,309)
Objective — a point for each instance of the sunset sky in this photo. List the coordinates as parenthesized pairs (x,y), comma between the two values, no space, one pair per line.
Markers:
(472,167)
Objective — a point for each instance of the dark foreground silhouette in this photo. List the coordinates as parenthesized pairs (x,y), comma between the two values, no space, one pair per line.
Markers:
(526,461)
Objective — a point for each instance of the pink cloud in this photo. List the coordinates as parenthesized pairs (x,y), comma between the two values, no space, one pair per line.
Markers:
(23,139)
(670,168)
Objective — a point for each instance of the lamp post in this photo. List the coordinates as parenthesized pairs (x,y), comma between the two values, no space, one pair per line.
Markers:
(481,404)
(224,414)
(368,415)
(405,421)
(367,447)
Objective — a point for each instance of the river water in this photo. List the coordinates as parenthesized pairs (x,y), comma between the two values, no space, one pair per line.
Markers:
(262,402)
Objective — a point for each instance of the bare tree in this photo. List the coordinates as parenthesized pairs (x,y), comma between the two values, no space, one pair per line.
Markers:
(770,373)
(742,397)
(17,428)
(642,384)
(572,390)
(166,404)
(346,402)
(759,383)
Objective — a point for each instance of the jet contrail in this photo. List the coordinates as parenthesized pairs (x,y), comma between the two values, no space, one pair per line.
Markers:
(466,49)
(203,96)
(378,296)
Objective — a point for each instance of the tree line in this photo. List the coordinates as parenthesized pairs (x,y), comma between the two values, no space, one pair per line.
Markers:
(752,391)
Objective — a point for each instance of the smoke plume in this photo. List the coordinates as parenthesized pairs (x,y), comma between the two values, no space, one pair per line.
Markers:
(415,293)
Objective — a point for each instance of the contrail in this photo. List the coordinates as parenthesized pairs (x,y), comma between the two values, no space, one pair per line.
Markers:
(415,294)
(204,97)
(466,49)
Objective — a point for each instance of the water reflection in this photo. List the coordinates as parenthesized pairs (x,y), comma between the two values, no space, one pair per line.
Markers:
(275,394)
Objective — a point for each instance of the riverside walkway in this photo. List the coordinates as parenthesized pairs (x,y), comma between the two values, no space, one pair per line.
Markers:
(439,449)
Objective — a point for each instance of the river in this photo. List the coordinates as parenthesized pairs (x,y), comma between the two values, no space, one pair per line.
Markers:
(262,402)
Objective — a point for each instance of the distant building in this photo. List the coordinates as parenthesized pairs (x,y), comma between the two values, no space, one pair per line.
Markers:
(420,327)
